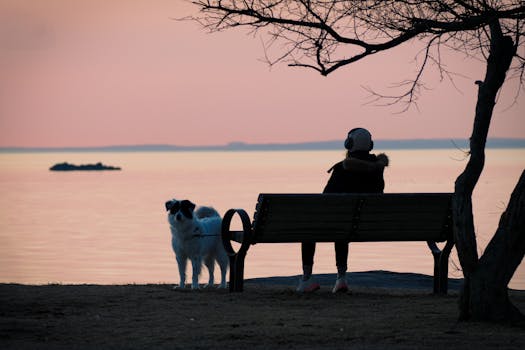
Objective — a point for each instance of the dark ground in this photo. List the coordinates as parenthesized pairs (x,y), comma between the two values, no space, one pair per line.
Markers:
(266,316)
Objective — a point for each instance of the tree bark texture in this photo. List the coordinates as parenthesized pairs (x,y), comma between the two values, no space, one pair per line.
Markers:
(489,295)
(502,51)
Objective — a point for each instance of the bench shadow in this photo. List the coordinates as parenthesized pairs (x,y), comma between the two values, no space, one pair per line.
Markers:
(366,279)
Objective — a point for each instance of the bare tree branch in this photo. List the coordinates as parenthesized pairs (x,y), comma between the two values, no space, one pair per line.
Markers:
(326,35)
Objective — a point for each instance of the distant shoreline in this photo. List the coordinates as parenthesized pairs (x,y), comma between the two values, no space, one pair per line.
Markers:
(414,144)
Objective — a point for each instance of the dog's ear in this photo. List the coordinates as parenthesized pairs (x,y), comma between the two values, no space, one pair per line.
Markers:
(169,205)
(188,204)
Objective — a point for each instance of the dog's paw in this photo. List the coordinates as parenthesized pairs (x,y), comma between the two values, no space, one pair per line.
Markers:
(180,286)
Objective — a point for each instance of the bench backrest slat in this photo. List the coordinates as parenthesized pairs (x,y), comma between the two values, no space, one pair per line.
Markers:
(352,217)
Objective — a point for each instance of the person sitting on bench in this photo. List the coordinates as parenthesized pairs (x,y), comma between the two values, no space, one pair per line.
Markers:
(359,172)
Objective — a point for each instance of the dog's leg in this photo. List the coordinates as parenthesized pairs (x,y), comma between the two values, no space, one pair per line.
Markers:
(223,261)
(181,262)
(210,264)
(196,265)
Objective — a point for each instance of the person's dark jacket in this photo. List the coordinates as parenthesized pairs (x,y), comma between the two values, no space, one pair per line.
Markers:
(361,172)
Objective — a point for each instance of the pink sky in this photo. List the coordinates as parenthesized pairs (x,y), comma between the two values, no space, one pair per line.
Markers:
(120,72)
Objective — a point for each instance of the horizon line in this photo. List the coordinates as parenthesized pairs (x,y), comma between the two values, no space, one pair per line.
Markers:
(418,143)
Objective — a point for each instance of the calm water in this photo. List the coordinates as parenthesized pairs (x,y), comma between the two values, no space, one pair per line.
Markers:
(110,227)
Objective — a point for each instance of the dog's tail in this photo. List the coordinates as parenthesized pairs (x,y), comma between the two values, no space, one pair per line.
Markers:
(206,212)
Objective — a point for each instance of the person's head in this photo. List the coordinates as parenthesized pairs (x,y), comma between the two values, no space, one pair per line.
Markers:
(359,139)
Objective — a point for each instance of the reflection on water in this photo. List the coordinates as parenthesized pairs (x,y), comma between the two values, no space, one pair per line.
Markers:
(110,227)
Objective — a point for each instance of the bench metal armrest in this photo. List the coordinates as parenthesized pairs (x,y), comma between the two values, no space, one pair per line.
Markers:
(243,237)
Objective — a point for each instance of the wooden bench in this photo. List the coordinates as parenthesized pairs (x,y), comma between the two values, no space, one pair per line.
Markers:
(284,218)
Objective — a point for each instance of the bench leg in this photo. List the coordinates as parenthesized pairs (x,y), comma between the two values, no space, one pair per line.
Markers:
(441,266)
(237,272)
(440,274)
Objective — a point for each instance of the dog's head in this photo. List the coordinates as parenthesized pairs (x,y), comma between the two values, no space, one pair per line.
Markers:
(179,211)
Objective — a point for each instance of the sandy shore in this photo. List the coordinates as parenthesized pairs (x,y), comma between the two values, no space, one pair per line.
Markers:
(268,315)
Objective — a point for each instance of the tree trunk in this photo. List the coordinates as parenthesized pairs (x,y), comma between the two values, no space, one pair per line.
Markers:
(502,51)
(489,294)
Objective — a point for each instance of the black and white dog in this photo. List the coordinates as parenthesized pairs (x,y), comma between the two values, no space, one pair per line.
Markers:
(196,235)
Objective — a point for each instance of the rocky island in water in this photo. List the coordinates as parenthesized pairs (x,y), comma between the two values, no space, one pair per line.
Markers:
(70,167)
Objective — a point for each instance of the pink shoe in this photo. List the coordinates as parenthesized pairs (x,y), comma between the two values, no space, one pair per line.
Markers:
(308,286)
(340,286)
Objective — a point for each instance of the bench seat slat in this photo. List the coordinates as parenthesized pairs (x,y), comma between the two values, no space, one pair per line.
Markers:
(290,236)
(392,219)
(374,236)
(364,232)
(402,210)
(294,237)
